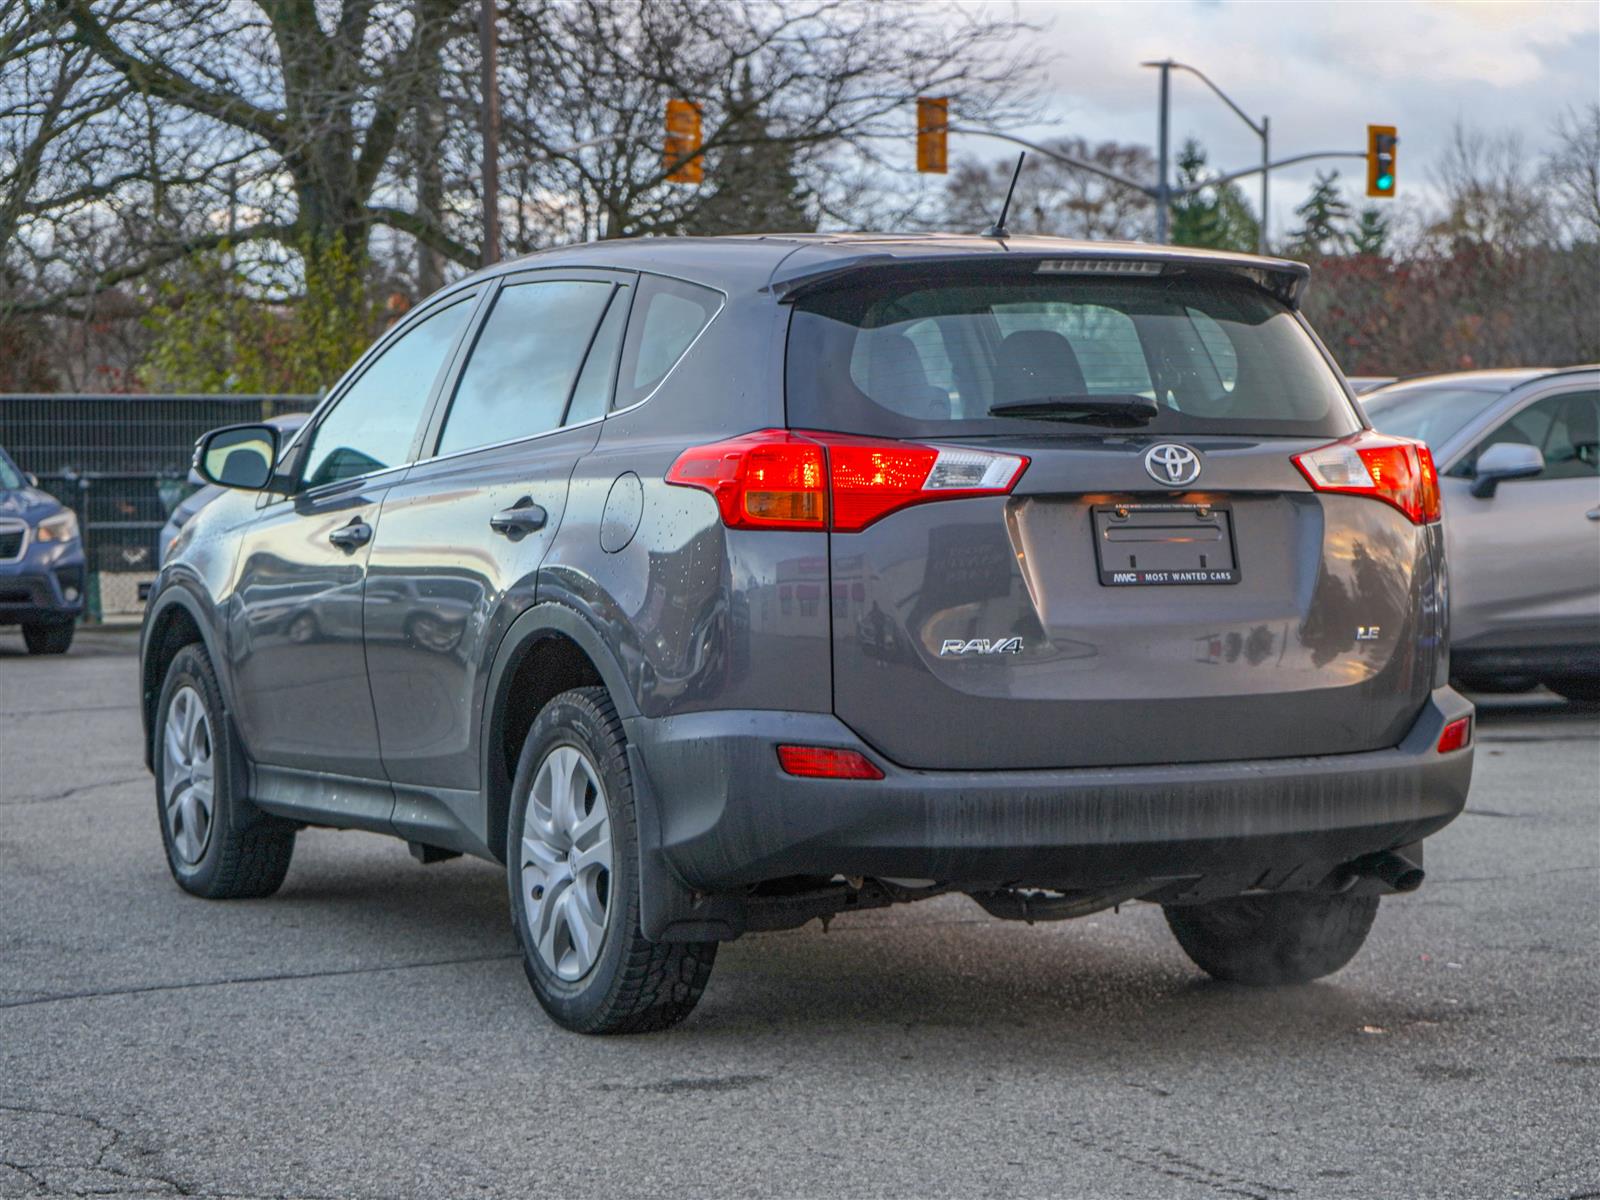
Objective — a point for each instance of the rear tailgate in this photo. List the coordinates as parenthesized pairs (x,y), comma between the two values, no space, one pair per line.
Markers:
(1162,584)
(981,633)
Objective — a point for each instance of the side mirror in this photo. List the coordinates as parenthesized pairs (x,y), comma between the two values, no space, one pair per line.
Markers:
(240,456)
(1502,461)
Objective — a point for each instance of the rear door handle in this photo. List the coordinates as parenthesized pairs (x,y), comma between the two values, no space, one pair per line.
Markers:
(1593,514)
(349,537)
(522,517)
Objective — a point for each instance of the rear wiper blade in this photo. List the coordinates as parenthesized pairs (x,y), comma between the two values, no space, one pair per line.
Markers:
(1111,408)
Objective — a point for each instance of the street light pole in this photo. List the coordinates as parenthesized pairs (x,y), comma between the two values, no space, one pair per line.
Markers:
(1261,131)
(1266,163)
(1163,195)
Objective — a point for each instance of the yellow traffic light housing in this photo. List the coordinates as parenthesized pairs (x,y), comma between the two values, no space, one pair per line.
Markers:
(681,155)
(1381,141)
(933,131)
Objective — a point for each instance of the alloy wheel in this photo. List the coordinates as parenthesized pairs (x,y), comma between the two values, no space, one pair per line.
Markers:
(188,775)
(565,871)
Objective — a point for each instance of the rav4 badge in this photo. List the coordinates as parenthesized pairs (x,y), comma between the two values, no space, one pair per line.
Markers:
(954,646)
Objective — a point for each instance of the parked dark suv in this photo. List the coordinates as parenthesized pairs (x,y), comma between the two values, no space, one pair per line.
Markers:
(719,585)
(41,563)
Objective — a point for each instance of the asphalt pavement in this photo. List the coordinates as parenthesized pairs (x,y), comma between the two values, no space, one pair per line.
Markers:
(368,1031)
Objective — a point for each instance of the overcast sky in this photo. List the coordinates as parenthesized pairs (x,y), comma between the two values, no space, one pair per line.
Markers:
(1321,71)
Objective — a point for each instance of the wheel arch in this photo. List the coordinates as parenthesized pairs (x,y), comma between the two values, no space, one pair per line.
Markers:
(177,619)
(549,649)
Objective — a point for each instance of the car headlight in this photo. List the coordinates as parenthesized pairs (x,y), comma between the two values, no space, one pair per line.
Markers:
(63,527)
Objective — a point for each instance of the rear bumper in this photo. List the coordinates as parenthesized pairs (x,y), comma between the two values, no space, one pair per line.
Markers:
(724,815)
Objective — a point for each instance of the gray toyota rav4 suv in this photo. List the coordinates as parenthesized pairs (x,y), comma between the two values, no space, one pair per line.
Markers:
(717,585)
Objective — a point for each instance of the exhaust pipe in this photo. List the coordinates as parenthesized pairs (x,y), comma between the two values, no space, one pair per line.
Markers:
(1399,872)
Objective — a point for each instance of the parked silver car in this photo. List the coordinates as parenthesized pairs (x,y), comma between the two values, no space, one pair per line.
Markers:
(1518,454)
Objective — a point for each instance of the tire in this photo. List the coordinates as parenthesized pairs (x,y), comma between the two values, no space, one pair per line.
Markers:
(1580,689)
(563,887)
(48,638)
(1496,685)
(1267,940)
(234,851)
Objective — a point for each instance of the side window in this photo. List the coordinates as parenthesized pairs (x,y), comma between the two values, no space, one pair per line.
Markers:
(1565,428)
(593,393)
(668,315)
(525,362)
(371,426)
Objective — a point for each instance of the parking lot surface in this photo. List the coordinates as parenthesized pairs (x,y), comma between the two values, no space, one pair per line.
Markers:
(368,1031)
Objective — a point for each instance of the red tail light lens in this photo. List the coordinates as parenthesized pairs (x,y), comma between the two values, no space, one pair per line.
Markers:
(1456,736)
(776,479)
(767,480)
(825,762)
(1395,470)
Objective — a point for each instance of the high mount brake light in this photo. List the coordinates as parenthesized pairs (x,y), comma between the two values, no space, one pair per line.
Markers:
(777,479)
(1396,470)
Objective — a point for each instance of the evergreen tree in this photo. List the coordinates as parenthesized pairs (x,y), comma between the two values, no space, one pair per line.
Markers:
(1216,217)
(1371,234)
(755,184)
(1323,218)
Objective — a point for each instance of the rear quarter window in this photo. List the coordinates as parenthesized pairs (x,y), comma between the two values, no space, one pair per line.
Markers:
(668,315)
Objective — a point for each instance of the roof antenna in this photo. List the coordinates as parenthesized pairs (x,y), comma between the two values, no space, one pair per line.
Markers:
(998,229)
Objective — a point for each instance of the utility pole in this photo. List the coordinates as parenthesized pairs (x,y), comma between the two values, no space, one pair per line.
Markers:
(488,42)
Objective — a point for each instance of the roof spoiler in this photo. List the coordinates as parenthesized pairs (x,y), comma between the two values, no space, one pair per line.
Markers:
(1279,277)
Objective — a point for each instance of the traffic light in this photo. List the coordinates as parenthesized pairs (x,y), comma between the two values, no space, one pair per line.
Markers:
(683,140)
(933,130)
(1381,142)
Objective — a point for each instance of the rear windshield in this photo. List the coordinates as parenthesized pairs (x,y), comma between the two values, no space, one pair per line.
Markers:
(929,359)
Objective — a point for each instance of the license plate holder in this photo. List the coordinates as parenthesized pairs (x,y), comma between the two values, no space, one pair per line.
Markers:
(1162,545)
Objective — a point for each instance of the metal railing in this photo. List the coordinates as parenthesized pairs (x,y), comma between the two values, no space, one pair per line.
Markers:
(121,462)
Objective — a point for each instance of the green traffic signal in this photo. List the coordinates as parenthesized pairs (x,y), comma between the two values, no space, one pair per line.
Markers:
(1385,182)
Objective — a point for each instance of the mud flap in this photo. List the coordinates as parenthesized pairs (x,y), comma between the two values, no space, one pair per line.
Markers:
(668,910)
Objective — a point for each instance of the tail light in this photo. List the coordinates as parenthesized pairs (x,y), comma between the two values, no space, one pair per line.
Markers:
(776,479)
(1395,470)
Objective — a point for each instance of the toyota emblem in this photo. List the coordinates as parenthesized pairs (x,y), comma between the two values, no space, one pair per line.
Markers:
(1172,464)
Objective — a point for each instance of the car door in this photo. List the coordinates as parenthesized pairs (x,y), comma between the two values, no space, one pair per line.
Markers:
(463,535)
(302,699)
(1524,568)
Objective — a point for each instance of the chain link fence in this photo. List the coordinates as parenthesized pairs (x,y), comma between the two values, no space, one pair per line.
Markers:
(122,464)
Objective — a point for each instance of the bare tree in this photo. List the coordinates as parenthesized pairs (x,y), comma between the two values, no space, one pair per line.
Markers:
(1572,172)
(1055,198)
(1491,190)
(287,91)
(828,82)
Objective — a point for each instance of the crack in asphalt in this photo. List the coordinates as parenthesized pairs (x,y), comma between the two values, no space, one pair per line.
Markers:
(1162,1161)
(73,711)
(280,977)
(69,793)
(1435,881)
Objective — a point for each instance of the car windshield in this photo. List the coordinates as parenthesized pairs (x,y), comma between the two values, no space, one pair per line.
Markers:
(1048,354)
(10,478)
(1431,413)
